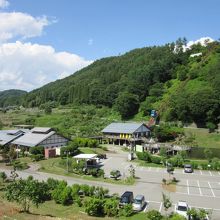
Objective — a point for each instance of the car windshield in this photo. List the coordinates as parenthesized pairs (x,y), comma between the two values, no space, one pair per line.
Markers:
(182,208)
(188,166)
(137,201)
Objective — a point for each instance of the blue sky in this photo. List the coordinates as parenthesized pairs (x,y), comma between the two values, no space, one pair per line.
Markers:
(78,32)
(117,26)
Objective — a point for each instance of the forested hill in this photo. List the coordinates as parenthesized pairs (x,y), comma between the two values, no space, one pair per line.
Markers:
(179,86)
(11,97)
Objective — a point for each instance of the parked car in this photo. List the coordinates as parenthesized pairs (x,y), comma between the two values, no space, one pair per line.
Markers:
(126,198)
(182,208)
(139,203)
(102,156)
(115,174)
(188,168)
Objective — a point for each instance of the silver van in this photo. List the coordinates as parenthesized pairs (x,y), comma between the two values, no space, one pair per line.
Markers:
(139,203)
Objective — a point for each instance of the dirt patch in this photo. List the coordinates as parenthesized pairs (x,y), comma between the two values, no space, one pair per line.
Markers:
(169,187)
(6,210)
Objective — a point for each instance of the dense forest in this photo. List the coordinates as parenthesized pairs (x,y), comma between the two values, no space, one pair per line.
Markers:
(11,97)
(179,86)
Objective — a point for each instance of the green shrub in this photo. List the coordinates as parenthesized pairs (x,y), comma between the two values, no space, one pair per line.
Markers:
(111,207)
(126,210)
(144,156)
(75,191)
(37,150)
(155,159)
(94,207)
(62,193)
(154,215)
(37,157)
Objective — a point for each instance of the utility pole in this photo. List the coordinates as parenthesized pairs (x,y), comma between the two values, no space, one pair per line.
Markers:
(67,158)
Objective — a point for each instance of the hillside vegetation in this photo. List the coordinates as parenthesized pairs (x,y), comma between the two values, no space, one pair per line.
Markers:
(180,87)
(11,97)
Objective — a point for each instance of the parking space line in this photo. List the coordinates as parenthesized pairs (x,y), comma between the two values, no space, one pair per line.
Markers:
(218,173)
(210,173)
(161,204)
(187,183)
(201,172)
(200,191)
(149,168)
(211,189)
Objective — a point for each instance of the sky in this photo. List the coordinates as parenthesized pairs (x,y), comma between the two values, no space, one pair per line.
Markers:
(45,40)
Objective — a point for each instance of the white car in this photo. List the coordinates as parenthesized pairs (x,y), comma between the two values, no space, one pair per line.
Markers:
(139,203)
(182,208)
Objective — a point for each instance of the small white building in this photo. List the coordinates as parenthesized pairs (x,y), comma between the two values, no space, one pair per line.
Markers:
(90,159)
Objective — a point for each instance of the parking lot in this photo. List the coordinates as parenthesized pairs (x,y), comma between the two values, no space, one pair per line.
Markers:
(200,189)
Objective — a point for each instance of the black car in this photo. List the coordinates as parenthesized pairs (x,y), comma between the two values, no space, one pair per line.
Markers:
(126,198)
(188,168)
(102,156)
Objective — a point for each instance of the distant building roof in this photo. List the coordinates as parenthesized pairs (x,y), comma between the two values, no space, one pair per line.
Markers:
(34,137)
(40,130)
(24,126)
(7,136)
(85,156)
(122,128)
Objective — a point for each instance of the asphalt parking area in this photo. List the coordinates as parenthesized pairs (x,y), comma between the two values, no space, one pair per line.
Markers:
(199,188)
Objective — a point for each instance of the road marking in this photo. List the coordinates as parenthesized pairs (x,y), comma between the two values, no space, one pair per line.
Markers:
(198,207)
(211,189)
(187,183)
(146,207)
(200,191)
(218,173)
(201,172)
(149,168)
(210,173)
(161,204)
(157,170)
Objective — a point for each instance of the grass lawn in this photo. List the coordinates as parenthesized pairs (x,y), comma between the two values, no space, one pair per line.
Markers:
(52,166)
(87,150)
(204,138)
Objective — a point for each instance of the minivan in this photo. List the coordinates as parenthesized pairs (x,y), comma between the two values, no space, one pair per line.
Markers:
(139,203)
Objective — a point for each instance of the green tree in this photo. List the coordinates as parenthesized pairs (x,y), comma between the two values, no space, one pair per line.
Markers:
(132,171)
(27,192)
(111,207)
(127,104)
(48,110)
(94,207)
(62,193)
(166,202)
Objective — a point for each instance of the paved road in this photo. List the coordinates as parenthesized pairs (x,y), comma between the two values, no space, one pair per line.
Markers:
(201,189)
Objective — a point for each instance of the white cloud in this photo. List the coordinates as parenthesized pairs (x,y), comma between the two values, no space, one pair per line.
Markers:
(203,41)
(28,66)
(4,3)
(20,25)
